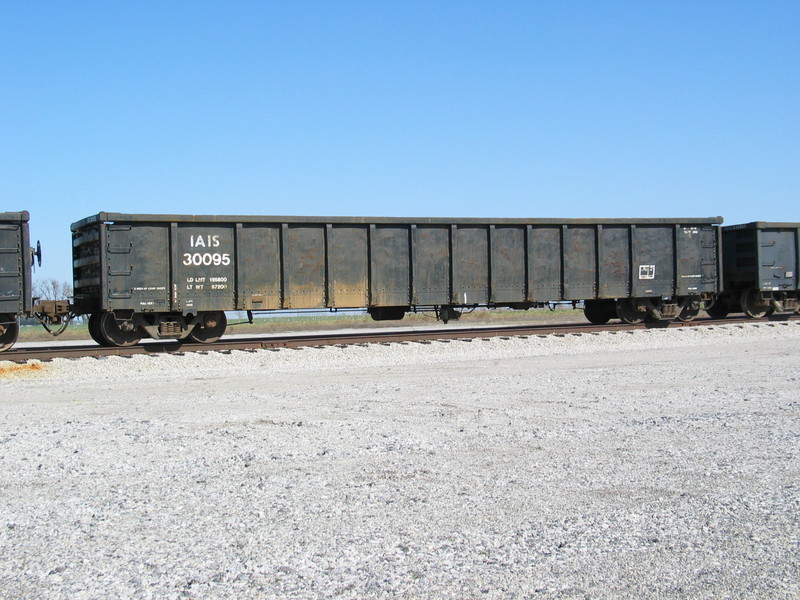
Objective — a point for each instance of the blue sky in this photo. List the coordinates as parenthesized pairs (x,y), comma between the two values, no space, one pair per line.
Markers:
(448,109)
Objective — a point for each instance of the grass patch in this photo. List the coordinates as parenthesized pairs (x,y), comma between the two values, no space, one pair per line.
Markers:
(37,333)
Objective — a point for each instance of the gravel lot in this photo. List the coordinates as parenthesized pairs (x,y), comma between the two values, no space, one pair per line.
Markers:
(654,464)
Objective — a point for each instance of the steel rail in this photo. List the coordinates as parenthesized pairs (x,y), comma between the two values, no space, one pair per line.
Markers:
(385,336)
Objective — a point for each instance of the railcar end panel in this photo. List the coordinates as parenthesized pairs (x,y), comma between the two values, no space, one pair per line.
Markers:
(15,264)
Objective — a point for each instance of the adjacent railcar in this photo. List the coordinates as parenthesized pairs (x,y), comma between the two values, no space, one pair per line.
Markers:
(173,276)
(15,275)
(760,272)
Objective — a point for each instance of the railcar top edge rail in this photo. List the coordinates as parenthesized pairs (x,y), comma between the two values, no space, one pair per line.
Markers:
(22,216)
(110,217)
(762,225)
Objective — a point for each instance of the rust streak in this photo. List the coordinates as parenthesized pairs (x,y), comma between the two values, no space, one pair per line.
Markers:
(20,369)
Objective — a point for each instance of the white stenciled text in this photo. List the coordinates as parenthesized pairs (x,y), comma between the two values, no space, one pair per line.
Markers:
(204,241)
(199,259)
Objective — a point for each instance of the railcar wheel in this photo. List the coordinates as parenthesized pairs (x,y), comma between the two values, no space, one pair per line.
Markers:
(596,317)
(627,312)
(718,309)
(94,329)
(115,334)
(597,313)
(688,313)
(211,327)
(9,330)
(753,304)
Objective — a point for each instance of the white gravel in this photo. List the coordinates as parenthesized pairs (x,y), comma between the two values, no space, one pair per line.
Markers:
(654,464)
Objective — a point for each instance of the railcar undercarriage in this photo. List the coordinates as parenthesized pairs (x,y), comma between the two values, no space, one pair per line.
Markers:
(126,328)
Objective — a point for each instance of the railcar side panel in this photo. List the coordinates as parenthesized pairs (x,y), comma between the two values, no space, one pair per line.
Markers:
(761,256)
(204,267)
(777,265)
(653,260)
(348,266)
(696,248)
(137,267)
(471,265)
(507,263)
(544,263)
(390,265)
(580,262)
(614,271)
(196,265)
(303,266)
(431,268)
(258,266)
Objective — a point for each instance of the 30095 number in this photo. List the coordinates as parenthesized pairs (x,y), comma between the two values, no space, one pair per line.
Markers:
(200,259)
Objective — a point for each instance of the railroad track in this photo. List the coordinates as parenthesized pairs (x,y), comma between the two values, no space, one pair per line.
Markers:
(389,335)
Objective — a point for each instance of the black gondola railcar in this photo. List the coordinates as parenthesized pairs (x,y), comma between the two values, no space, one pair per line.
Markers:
(760,270)
(173,276)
